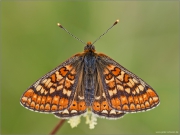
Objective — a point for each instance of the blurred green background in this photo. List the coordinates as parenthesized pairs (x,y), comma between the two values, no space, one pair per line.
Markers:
(146,41)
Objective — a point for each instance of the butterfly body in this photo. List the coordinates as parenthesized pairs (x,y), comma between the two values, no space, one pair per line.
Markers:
(89,73)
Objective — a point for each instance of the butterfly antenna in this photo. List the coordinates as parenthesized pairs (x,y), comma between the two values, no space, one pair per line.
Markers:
(70,33)
(106,31)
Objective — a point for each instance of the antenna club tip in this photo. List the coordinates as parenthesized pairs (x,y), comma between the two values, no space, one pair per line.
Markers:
(58,24)
(116,22)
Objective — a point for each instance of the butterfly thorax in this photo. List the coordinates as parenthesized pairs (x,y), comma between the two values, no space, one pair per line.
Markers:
(89,73)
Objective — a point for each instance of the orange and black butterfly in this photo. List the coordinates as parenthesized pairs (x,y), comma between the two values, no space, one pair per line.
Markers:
(90,81)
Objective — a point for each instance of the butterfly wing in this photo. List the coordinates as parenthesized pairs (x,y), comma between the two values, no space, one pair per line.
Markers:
(101,108)
(125,91)
(78,106)
(100,105)
(55,91)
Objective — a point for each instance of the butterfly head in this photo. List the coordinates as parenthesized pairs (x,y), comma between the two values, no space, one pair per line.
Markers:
(89,47)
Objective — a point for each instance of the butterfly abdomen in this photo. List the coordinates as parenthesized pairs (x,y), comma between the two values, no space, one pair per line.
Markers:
(89,79)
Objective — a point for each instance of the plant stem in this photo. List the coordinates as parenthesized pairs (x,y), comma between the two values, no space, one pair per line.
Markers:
(57,127)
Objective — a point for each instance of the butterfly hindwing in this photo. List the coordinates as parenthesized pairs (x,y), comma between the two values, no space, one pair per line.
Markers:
(125,91)
(100,106)
(78,106)
(53,92)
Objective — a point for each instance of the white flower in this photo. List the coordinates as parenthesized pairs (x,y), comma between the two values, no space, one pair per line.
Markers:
(74,121)
(91,119)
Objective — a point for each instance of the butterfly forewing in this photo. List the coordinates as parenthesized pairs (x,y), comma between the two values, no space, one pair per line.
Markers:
(54,92)
(125,91)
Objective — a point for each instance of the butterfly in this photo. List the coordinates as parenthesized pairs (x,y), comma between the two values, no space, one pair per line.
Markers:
(89,81)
